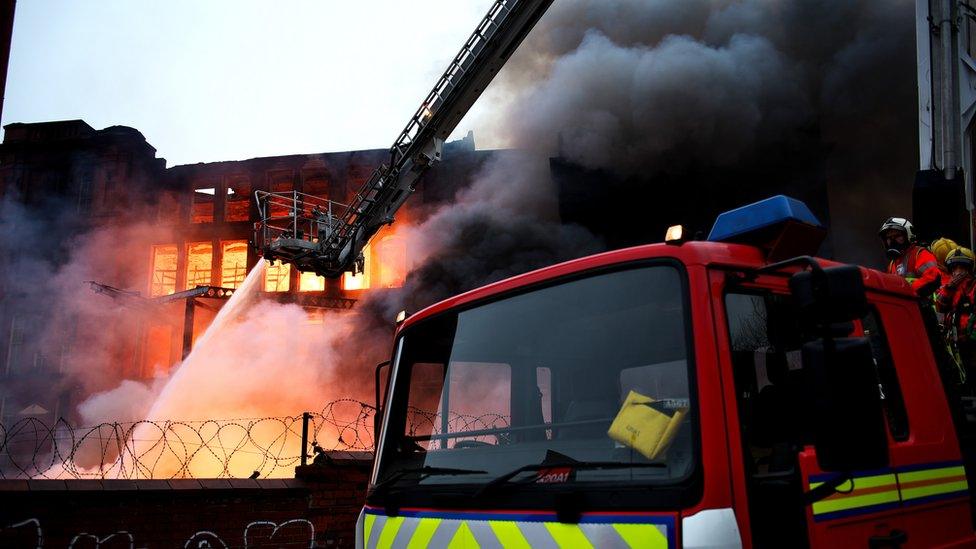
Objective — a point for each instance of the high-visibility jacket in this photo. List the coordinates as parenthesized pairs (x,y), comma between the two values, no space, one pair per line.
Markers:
(919,266)
(957,303)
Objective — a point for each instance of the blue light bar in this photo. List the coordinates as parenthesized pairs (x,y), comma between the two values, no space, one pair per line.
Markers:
(736,225)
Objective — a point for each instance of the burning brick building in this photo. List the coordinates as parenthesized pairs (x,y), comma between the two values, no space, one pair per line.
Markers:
(183,245)
(167,247)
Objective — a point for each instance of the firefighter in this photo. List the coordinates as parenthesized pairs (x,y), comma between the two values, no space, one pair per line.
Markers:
(956,299)
(909,259)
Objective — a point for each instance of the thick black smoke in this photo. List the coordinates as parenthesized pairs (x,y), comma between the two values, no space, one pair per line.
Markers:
(694,86)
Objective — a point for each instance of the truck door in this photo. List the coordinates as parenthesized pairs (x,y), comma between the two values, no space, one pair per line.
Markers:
(918,501)
(775,430)
(769,434)
(925,454)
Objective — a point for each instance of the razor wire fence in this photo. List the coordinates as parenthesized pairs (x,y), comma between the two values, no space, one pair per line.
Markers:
(215,448)
(152,449)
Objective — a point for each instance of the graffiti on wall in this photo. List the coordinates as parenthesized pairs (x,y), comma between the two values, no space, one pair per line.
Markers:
(29,534)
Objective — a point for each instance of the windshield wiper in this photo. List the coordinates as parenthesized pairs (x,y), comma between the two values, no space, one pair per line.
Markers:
(424,472)
(549,463)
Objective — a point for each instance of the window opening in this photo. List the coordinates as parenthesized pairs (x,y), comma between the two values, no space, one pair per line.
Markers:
(238,200)
(277,277)
(359,281)
(279,209)
(892,399)
(202,210)
(317,187)
(233,263)
(163,280)
(311,282)
(391,261)
(199,264)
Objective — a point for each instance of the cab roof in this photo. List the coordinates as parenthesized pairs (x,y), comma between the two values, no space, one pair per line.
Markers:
(690,254)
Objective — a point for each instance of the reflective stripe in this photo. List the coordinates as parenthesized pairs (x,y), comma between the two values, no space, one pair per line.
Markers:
(925,266)
(940,489)
(932,482)
(866,491)
(463,539)
(444,533)
(376,531)
(641,535)
(368,521)
(929,474)
(481,530)
(567,535)
(872,493)
(508,534)
(405,533)
(389,531)
(537,535)
(424,532)
(425,528)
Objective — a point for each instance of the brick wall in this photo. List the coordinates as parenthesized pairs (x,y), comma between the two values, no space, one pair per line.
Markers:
(318,508)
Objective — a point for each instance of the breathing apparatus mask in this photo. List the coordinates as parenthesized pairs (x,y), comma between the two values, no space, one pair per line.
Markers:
(895,245)
(896,235)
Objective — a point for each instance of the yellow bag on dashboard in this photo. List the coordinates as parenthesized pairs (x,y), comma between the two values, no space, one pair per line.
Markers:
(646,425)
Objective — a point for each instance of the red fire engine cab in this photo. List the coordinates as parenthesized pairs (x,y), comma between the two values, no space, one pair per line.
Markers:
(722,393)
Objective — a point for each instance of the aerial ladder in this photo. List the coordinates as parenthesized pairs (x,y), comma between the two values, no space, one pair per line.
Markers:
(327,237)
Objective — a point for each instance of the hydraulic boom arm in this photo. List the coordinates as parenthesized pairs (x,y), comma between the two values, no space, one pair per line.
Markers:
(327,237)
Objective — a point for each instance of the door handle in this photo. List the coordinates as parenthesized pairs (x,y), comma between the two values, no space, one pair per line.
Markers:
(894,540)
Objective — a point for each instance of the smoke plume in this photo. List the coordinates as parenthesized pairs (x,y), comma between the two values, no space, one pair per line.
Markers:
(67,339)
(681,87)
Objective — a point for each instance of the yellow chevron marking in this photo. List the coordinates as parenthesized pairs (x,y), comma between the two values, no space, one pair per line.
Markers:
(641,535)
(389,532)
(568,535)
(509,535)
(463,539)
(368,521)
(424,532)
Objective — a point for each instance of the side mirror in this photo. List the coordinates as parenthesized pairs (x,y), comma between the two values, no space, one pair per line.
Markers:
(846,413)
(378,414)
(831,295)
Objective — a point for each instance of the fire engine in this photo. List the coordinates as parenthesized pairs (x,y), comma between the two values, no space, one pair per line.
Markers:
(720,393)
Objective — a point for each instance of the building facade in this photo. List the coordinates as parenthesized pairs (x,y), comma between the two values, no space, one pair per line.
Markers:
(150,238)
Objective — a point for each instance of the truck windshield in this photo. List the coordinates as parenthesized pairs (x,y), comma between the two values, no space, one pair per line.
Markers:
(586,381)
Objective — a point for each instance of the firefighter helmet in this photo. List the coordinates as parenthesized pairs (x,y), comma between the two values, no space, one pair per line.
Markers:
(960,257)
(898,224)
(941,249)
(895,247)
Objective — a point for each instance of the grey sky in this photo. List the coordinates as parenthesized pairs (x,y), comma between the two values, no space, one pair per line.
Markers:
(233,79)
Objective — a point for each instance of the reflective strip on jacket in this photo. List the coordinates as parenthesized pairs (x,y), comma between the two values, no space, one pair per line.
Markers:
(921,268)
